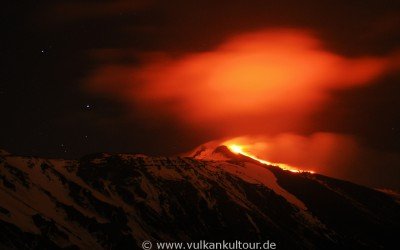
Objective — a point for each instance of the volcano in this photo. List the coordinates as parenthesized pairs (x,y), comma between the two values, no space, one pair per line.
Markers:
(117,201)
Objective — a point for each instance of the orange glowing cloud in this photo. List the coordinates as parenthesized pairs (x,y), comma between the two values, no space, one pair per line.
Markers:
(257,82)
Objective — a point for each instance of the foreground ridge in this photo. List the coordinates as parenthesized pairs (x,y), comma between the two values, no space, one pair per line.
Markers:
(116,201)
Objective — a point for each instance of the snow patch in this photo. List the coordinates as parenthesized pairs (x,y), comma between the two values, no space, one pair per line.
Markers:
(258,174)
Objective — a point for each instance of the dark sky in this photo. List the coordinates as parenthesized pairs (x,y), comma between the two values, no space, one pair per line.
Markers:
(50,48)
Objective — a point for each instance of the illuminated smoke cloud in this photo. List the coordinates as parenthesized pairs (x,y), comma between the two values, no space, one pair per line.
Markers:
(267,81)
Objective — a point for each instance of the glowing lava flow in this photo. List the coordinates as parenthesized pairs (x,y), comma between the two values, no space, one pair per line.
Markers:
(237,149)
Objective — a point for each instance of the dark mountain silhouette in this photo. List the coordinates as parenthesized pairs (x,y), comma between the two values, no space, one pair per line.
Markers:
(116,201)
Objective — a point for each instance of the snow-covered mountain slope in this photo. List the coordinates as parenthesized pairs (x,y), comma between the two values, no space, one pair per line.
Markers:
(115,201)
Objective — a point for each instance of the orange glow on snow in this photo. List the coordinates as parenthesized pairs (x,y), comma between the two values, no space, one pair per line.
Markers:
(239,149)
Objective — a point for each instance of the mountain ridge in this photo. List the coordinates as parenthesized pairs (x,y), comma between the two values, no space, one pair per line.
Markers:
(116,201)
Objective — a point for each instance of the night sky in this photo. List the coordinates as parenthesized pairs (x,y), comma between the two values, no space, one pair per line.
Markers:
(54,53)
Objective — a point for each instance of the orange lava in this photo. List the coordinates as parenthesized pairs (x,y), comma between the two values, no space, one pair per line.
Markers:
(239,149)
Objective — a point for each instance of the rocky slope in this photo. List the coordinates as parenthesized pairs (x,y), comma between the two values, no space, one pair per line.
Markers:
(115,201)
